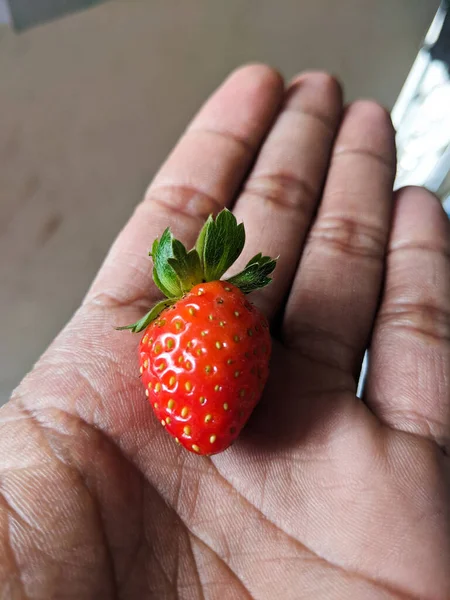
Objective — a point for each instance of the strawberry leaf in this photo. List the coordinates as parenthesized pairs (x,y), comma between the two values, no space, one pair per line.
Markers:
(260,260)
(149,317)
(219,244)
(200,243)
(255,275)
(154,249)
(164,274)
(186,265)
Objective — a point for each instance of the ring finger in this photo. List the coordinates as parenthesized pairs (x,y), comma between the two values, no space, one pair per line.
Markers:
(334,296)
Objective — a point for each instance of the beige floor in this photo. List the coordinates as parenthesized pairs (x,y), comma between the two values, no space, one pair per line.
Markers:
(91,104)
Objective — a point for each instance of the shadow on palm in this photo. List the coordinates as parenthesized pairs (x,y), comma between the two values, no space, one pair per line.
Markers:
(301,401)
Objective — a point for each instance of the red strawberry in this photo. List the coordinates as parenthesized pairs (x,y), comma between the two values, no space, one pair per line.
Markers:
(204,356)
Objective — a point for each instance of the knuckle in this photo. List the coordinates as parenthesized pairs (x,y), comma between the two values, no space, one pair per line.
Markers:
(420,423)
(116,299)
(319,345)
(182,201)
(349,236)
(284,190)
(424,318)
(224,137)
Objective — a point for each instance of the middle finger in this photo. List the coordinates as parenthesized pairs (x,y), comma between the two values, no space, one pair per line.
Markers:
(282,191)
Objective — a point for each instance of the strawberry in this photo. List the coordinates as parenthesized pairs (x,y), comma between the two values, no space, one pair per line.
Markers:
(204,355)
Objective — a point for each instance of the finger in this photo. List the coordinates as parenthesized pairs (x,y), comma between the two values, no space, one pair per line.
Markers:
(200,177)
(409,365)
(284,186)
(334,296)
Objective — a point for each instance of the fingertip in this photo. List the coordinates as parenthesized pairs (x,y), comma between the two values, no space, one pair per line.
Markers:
(258,74)
(419,215)
(370,108)
(374,116)
(417,193)
(320,93)
(372,113)
(248,99)
(367,128)
(321,79)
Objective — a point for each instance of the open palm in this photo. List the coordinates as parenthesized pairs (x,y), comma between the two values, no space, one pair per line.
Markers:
(324,495)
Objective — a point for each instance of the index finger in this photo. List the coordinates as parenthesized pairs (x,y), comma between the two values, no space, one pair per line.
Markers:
(200,177)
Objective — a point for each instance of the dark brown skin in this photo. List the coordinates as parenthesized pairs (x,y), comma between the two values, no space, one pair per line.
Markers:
(324,495)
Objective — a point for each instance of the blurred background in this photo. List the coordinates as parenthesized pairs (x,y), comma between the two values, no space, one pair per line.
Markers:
(92,102)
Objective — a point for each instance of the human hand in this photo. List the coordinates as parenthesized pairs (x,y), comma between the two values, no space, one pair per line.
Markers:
(324,495)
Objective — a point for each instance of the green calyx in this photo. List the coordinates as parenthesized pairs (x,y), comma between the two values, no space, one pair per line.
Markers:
(220,242)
